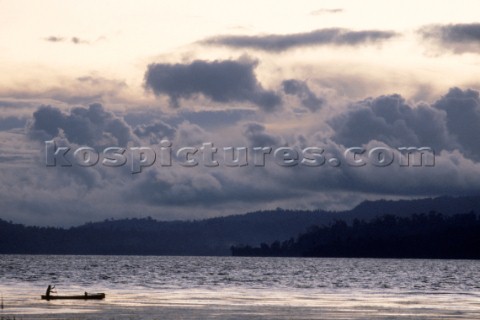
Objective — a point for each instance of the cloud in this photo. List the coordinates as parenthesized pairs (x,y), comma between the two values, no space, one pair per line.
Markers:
(77,40)
(369,180)
(35,194)
(463,118)
(12,122)
(215,118)
(54,39)
(74,40)
(457,38)
(156,131)
(390,119)
(451,123)
(206,190)
(220,80)
(326,11)
(15,105)
(302,91)
(96,81)
(82,90)
(279,43)
(189,134)
(257,136)
(92,126)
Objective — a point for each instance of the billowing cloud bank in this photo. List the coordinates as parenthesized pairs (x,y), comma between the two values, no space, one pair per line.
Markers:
(230,137)
(64,195)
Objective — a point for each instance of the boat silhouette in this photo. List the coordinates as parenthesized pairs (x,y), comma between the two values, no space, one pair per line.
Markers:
(85,296)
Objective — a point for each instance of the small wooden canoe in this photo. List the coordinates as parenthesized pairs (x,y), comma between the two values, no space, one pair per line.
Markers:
(86,296)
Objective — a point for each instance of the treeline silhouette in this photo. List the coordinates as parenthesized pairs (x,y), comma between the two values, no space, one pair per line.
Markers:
(431,235)
(147,236)
(213,236)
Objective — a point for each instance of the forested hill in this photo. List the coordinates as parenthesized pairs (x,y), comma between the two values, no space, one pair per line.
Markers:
(150,237)
(204,237)
(446,205)
(431,235)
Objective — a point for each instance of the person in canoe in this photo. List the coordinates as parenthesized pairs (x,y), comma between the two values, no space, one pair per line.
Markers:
(50,290)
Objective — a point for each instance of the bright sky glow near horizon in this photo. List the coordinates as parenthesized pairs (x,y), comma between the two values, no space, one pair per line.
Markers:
(301,73)
(124,36)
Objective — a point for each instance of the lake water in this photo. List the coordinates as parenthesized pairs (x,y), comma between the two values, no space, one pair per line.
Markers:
(240,288)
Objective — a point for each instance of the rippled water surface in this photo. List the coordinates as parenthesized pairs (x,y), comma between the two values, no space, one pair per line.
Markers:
(234,287)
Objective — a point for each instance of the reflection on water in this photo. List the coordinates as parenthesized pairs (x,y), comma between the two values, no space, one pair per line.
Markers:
(280,288)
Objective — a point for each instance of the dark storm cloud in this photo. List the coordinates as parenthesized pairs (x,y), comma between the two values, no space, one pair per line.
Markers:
(258,137)
(390,119)
(452,174)
(448,125)
(91,126)
(303,92)
(463,118)
(278,43)
(458,38)
(204,190)
(220,80)
(453,122)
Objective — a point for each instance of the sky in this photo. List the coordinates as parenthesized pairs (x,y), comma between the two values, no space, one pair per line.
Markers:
(330,75)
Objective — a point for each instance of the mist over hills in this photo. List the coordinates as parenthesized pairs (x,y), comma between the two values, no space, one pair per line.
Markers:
(212,236)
